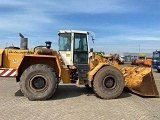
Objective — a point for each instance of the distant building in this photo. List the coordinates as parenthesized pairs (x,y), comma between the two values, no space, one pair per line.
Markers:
(129,56)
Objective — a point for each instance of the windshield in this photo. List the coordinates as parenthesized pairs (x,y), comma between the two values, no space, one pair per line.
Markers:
(65,42)
(156,54)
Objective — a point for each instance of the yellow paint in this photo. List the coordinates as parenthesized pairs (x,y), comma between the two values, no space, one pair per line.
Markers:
(140,80)
(67,55)
(12,58)
(1,57)
(92,72)
(135,77)
(142,55)
(64,73)
(134,74)
(65,76)
(97,61)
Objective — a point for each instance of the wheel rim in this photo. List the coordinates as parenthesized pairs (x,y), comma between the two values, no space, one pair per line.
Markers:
(38,83)
(109,82)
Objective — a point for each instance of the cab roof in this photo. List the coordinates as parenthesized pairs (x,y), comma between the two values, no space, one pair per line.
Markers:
(73,31)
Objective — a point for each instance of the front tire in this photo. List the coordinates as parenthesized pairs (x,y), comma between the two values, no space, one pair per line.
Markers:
(38,82)
(108,82)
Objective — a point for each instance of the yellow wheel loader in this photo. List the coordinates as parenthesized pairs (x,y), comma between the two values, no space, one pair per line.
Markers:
(40,70)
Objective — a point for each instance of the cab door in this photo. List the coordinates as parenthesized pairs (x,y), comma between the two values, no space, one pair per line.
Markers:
(80,49)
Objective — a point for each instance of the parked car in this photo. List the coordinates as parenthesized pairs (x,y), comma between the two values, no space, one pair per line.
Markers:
(121,59)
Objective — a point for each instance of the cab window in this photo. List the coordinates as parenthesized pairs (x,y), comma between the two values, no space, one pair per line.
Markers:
(80,42)
(64,42)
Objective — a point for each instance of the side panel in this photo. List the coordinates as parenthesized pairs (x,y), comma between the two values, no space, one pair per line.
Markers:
(40,59)
(12,58)
(52,61)
(1,57)
(95,70)
(64,73)
(9,62)
(66,57)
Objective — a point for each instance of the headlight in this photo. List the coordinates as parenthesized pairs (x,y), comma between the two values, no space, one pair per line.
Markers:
(154,60)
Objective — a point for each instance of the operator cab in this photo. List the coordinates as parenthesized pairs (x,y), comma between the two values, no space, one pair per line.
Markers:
(73,46)
(156,60)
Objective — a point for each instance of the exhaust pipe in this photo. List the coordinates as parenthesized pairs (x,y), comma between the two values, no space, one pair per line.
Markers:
(23,42)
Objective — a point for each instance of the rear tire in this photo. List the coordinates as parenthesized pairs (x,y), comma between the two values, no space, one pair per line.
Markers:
(38,82)
(108,82)
(158,70)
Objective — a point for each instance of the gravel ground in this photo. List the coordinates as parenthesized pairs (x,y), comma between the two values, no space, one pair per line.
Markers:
(73,102)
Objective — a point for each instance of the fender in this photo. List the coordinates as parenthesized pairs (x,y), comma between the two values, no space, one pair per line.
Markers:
(92,72)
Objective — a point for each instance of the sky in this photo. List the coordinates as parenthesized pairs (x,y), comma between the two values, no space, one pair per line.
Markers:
(119,25)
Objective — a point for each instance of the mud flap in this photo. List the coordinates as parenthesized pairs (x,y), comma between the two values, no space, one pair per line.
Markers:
(140,80)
